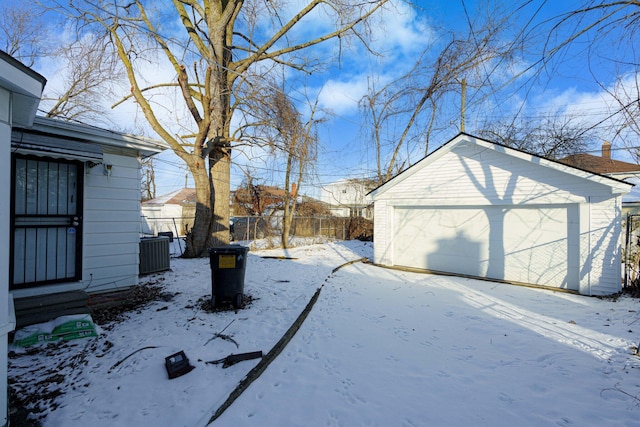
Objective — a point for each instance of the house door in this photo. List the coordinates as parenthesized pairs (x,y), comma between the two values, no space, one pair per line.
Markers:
(47,223)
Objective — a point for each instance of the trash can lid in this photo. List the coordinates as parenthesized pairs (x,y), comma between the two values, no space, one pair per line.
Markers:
(229,249)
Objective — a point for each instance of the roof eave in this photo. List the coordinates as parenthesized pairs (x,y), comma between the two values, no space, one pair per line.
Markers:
(145,146)
(617,186)
(615,183)
(26,87)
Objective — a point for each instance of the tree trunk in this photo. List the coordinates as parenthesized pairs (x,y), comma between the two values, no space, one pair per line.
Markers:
(286,224)
(211,224)
(288,212)
(220,172)
(196,242)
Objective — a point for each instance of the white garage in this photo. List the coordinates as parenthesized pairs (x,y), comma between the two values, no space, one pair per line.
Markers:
(480,209)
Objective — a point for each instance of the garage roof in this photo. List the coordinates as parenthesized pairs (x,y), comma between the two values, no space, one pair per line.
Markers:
(464,139)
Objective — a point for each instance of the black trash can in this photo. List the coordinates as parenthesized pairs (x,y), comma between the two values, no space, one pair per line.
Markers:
(227,274)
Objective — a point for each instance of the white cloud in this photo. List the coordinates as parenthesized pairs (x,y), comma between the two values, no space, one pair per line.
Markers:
(342,97)
(594,109)
(401,32)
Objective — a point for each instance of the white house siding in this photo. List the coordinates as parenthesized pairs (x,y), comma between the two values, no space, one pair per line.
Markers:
(5,197)
(166,217)
(469,176)
(345,196)
(20,91)
(470,210)
(6,313)
(111,224)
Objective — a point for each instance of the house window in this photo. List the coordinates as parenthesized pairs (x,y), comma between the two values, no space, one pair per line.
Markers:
(355,212)
(46,228)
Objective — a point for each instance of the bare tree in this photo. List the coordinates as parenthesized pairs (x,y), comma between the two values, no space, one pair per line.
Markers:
(553,137)
(604,35)
(90,70)
(252,198)
(626,112)
(401,115)
(148,179)
(87,67)
(224,41)
(283,131)
(22,34)
(299,144)
(596,22)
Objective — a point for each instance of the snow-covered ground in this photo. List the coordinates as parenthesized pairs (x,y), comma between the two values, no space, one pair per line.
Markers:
(379,348)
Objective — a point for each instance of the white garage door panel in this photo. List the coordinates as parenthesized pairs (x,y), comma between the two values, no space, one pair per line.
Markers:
(527,245)
(536,246)
(442,239)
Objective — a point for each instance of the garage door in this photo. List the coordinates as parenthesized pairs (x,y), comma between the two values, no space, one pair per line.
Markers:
(537,245)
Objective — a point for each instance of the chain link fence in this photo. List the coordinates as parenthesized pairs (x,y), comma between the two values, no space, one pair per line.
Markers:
(631,251)
(244,228)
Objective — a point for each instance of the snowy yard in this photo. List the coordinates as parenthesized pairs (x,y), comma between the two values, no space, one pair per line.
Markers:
(380,348)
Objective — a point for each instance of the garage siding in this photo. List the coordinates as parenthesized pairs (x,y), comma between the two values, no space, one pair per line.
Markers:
(381,250)
(476,177)
(603,250)
(482,212)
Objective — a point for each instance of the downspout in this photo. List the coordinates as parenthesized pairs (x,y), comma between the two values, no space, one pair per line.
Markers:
(590,252)
(391,234)
(627,245)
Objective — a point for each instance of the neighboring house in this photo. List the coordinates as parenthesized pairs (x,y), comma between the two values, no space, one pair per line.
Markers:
(260,200)
(173,212)
(20,92)
(76,208)
(348,198)
(605,165)
(477,208)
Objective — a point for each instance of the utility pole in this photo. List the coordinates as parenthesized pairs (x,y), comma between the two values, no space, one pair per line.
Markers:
(148,182)
(463,104)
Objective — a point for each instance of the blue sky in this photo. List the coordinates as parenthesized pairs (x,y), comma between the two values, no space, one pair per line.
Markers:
(400,35)
(567,86)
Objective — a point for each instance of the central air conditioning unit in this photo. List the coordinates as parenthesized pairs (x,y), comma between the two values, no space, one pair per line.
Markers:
(154,254)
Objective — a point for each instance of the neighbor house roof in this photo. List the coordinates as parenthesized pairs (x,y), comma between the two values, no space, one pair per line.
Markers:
(600,164)
(182,197)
